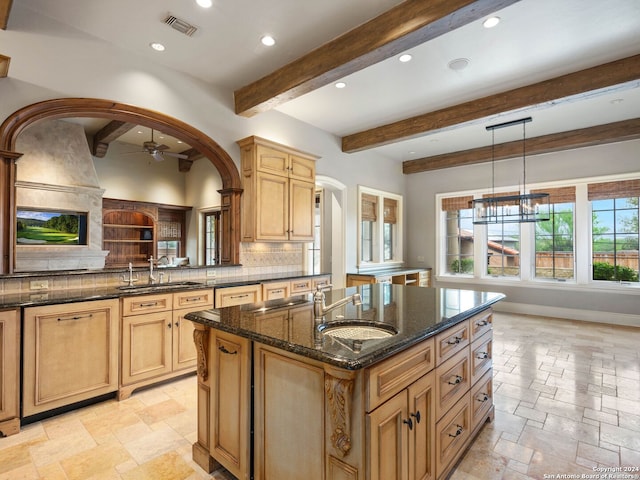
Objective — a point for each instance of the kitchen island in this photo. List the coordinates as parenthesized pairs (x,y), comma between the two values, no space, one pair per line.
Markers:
(393,388)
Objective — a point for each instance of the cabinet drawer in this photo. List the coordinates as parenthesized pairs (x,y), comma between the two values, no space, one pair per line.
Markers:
(481,323)
(320,282)
(388,377)
(452,381)
(193,298)
(481,398)
(481,356)
(301,285)
(146,304)
(275,290)
(451,341)
(452,432)
(231,296)
(424,278)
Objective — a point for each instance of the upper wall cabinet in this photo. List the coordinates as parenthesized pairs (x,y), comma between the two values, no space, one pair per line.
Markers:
(279,192)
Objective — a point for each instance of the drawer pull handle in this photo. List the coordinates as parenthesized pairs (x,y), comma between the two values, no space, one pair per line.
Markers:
(482,355)
(455,341)
(239,296)
(80,317)
(193,299)
(483,397)
(144,305)
(408,422)
(458,431)
(302,285)
(224,350)
(416,416)
(482,323)
(457,380)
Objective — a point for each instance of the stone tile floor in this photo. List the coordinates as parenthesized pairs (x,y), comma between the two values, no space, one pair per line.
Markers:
(567,398)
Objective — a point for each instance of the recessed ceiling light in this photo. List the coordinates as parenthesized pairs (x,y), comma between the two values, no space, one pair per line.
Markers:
(459,64)
(204,3)
(158,47)
(491,22)
(268,40)
(405,58)
(341,85)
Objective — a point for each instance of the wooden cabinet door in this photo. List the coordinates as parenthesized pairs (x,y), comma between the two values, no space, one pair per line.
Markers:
(70,353)
(184,349)
(231,402)
(289,426)
(388,437)
(9,367)
(271,160)
(146,346)
(272,207)
(301,206)
(302,168)
(422,441)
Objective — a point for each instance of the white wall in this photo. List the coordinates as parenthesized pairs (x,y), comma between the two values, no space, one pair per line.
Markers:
(49,60)
(602,160)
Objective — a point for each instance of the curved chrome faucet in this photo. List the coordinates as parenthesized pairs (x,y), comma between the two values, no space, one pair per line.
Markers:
(320,309)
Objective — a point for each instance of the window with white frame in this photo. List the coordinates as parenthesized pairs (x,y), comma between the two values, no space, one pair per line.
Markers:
(379,227)
(554,239)
(614,230)
(458,218)
(607,239)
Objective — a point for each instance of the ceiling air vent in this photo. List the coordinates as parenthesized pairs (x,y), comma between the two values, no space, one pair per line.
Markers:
(180,25)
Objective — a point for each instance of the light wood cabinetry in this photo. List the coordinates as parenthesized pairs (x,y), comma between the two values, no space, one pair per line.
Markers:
(241,295)
(279,192)
(406,417)
(9,372)
(157,341)
(70,354)
(417,277)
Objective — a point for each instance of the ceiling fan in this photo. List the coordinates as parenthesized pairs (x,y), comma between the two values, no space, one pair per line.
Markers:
(158,150)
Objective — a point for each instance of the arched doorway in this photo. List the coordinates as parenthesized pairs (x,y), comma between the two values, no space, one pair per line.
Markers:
(100,108)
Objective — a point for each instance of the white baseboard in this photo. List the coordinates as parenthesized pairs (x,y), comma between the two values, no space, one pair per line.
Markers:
(569,313)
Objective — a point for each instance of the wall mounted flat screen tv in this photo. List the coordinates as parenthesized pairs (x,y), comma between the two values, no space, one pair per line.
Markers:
(50,227)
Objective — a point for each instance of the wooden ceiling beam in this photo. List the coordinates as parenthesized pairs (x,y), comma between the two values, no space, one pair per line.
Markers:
(107,134)
(574,84)
(5,10)
(405,26)
(555,142)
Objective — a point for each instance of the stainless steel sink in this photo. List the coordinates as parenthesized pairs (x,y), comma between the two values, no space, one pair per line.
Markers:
(160,286)
(357,330)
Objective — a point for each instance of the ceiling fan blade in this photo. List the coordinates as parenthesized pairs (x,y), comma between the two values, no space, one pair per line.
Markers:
(175,155)
(161,147)
(157,156)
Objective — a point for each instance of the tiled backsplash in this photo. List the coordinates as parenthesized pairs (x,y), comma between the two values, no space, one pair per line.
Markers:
(257,259)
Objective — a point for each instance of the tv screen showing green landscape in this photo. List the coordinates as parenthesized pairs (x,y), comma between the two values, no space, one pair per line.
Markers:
(47,227)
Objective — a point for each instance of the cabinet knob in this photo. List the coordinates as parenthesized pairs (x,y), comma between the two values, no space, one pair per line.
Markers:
(416,416)
(177,324)
(169,325)
(409,422)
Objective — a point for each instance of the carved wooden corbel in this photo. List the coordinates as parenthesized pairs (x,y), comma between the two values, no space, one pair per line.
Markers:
(201,339)
(338,388)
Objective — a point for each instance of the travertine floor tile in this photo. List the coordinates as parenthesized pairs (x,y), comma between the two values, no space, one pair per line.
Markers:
(567,398)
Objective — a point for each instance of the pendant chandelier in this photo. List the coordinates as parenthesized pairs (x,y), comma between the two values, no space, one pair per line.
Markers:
(521,208)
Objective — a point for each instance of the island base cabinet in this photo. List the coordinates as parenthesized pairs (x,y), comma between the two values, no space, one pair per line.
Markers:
(289,423)
(400,434)
(231,403)
(70,354)
(9,372)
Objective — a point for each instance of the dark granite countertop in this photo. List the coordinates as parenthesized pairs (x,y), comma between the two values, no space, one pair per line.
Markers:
(51,297)
(416,313)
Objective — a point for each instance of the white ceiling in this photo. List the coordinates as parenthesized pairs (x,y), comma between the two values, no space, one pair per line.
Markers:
(536,40)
